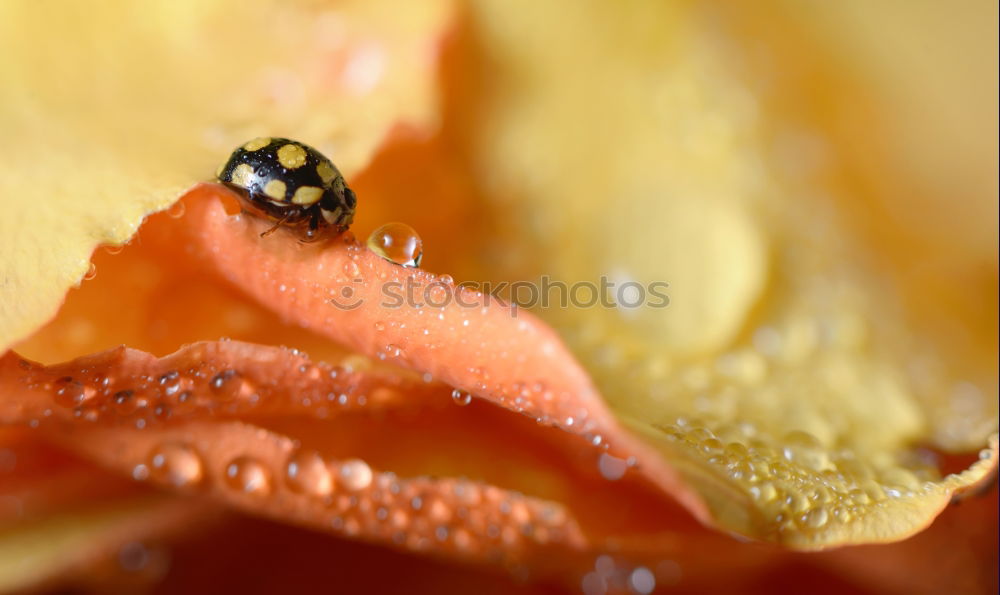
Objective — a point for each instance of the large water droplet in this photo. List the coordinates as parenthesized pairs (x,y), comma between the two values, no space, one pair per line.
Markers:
(226,385)
(307,473)
(611,468)
(398,243)
(805,449)
(70,392)
(176,464)
(815,518)
(248,475)
(355,474)
(461,397)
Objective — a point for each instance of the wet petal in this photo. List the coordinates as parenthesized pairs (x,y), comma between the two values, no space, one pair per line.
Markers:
(160,95)
(470,341)
(242,434)
(781,380)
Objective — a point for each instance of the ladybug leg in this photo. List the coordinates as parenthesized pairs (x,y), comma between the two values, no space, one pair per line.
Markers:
(277,224)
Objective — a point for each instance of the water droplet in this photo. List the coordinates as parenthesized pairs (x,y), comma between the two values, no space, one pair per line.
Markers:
(436,295)
(125,402)
(797,503)
(307,473)
(765,492)
(611,468)
(805,449)
(873,490)
(226,385)
(181,402)
(842,514)
(460,397)
(176,464)
(70,393)
(248,475)
(642,580)
(815,518)
(355,474)
(391,352)
(113,249)
(140,472)
(91,272)
(859,497)
(398,243)
(177,210)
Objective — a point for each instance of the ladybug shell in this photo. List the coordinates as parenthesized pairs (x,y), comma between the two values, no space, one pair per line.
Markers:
(290,182)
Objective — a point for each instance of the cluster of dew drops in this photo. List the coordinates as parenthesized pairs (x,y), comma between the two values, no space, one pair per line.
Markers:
(417,512)
(400,244)
(305,472)
(805,487)
(97,395)
(359,498)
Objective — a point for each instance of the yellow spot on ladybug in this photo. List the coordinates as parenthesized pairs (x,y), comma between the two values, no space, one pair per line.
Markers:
(331,216)
(275,189)
(257,143)
(292,156)
(326,171)
(307,195)
(241,176)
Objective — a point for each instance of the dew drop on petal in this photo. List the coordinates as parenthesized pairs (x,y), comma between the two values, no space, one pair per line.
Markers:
(611,468)
(226,385)
(70,392)
(391,352)
(642,580)
(248,475)
(398,243)
(816,518)
(176,464)
(355,474)
(91,272)
(461,397)
(177,210)
(306,472)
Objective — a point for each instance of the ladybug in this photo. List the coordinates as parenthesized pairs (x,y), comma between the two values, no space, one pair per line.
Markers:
(292,184)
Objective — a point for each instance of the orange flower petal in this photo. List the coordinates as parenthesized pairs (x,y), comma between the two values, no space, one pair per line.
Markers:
(470,341)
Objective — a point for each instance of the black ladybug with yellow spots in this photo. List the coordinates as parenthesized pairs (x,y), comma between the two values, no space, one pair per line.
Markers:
(292,184)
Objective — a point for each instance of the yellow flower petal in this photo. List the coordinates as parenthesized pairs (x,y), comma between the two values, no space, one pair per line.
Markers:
(109,111)
(39,551)
(781,380)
